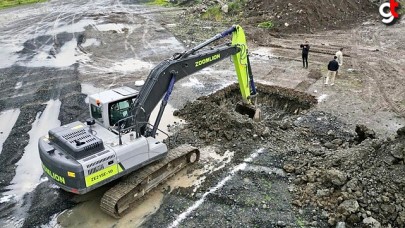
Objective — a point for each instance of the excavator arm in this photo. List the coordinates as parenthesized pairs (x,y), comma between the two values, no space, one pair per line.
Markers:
(162,78)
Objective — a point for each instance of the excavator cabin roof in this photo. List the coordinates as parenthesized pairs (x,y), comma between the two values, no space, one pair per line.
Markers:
(113,95)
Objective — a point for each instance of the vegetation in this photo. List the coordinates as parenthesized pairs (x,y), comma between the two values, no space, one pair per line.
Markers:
(402,8)
(161,3)
(213,13)
(266,24)
(236,7)
(11,3)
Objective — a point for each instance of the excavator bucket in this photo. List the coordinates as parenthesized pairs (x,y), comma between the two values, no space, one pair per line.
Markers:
(250,110)
(245,77)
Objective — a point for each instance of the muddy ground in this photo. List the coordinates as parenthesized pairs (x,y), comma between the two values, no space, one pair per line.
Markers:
(322,156)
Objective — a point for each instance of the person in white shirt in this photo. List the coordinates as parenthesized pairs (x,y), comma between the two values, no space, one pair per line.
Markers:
(339,56)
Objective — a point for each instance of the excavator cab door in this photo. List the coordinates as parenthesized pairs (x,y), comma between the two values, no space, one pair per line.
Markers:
(120,110)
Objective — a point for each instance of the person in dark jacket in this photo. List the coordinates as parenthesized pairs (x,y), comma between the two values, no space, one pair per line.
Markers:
(305,51)
(333,67)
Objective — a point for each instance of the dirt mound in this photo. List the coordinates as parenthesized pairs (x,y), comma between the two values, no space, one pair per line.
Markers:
(290,16)
(214,118)
(309,16)
(347,174)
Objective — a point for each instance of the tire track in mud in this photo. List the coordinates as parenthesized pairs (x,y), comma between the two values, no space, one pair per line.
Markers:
(379,70)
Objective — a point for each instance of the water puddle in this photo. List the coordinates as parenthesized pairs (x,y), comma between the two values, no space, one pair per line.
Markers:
(29,171)
(91,42)
(88,214)
(7,121)
(263,53)
(72,28)
(212,161)
(131,65)
(193,82)
(119,28)
(7,54)
(167,122)
(68,55)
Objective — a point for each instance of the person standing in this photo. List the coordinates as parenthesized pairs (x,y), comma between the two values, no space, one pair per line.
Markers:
(333,67)
(305,51)
(339,56)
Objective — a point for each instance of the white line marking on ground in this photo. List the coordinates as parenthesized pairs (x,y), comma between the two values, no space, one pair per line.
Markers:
(197,204)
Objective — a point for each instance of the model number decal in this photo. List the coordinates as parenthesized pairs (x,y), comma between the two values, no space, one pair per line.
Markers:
(101,175)
(207,60)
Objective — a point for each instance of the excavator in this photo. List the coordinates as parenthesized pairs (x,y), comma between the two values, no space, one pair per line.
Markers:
(117,141)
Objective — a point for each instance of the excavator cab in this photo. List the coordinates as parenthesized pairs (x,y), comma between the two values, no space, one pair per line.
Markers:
(109,107)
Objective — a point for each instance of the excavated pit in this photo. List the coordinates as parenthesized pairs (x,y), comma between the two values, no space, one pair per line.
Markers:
(214,118)
(334,177)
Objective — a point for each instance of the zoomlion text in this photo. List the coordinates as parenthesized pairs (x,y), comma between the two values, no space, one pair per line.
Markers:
(54,175)
(207,60)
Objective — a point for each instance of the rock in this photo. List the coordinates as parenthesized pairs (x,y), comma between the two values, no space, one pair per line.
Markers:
(336,177)
(331,146)
(225,8)
(285,126)
(266,132)
(401,131)
(337,142)
(363,132)
(401,218)
(286,24)
(371,222)
(398,152)
(322,192)
(348,207)
(354,184)
(353,219)
(341,225)
(311,175)
(289,168)
(281,224)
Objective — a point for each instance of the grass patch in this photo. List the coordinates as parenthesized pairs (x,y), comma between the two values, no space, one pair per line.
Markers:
(213,13)
(236,7)
(160,3)
(11,3)
(401,10)
(266,25)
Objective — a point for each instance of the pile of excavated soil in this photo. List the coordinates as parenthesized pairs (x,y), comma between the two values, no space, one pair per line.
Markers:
(309,16)
(346,174)
(292,16)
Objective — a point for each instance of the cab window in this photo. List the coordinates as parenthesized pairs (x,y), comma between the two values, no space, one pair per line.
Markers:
(96,113)
(119,111)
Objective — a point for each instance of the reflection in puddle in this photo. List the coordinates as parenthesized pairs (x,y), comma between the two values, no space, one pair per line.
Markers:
(263,53)
(131,65)
(68,55)
(72,28)
(167,120)
(193,82)
(7,121)
(7,54)
(29,171)
(91,42)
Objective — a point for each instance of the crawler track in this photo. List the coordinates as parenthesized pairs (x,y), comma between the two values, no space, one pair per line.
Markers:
(118,200)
